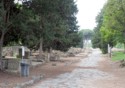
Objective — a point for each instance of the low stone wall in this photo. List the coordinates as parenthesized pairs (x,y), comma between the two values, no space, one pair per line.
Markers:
(74,50)
(11,64)
(14,64)
(12,50)
(55,55)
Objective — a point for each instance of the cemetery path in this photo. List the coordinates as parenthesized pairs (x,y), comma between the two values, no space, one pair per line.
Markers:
(94,71)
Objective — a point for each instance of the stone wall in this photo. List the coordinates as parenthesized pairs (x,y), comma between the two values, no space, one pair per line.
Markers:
(11,64)
(12,50)
(14,64)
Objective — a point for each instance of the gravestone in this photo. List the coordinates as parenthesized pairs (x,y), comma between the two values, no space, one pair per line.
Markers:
(20,52)
(27,54)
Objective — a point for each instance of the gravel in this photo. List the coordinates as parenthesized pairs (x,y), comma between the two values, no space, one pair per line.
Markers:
(78,78)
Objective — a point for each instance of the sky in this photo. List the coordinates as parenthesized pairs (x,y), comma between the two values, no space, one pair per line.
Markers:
(88,10)
(18,1)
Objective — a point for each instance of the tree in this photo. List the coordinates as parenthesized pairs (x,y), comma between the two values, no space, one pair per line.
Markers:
(97,40)
(85,35)
(26,24)
(6,18)
(13,18)
(113,28)
(56,23)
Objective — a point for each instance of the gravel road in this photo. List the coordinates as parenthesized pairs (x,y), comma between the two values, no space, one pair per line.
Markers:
(84,76)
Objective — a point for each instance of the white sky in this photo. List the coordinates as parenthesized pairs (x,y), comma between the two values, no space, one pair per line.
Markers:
(18,1)
(88,10)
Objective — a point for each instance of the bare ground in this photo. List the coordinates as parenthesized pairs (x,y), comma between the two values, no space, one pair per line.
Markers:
(115,78)
(113,68)
(48,70)
(96,71)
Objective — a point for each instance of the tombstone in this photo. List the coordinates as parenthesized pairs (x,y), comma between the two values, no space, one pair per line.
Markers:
(27,54)
(20,52)
(48,57)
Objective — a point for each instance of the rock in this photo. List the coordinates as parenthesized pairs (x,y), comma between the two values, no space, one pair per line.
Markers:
(54,64)
(122,63)
(70,54)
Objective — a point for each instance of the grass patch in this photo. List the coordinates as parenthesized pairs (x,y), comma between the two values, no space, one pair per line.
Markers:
(118,56)
(120,46)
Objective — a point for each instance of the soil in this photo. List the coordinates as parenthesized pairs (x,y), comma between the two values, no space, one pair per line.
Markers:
(47,70)
(82,71)
(113,68)
(95,71)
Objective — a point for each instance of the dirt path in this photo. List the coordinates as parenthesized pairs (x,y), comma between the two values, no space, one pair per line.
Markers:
(95,71)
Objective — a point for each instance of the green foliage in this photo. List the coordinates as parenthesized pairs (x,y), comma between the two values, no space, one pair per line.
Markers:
(105,32)
(55,22)
(113,28)
(81,39)
(85,35)
(119,45)
(27,23)
(104,47)
(8,16)
(98,40)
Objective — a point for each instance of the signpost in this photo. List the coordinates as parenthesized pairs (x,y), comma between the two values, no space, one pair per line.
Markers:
(109,50)
(23,53)
(24,66)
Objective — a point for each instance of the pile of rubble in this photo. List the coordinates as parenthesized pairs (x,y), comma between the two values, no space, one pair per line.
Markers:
(34,57)
(122,63)
(73,51)
(55,55)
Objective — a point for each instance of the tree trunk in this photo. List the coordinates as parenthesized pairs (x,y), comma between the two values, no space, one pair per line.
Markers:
(41,48)
(110,54)
(1,49)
